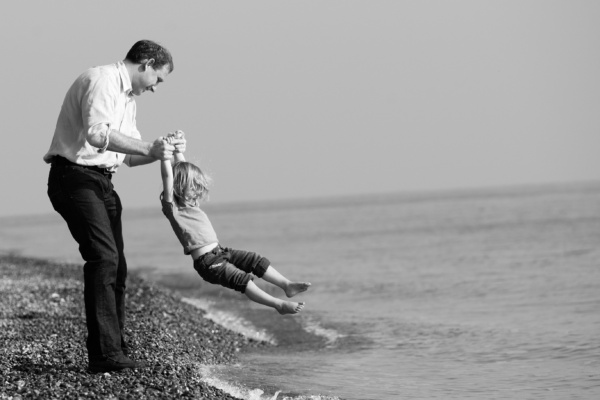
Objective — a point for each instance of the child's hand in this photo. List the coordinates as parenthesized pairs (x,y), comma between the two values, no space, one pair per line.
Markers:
(178,140)
(173,136)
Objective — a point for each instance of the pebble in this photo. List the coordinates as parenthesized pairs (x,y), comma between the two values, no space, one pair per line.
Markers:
(48,359)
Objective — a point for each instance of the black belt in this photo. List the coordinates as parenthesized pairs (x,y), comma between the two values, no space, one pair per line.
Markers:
(63,162)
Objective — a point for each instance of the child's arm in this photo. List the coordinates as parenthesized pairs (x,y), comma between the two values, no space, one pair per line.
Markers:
(177,154)
(167,177)
(166,169)
(177,157)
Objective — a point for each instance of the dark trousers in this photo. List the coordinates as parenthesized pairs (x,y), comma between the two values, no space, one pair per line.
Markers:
(86,199)
(231,268)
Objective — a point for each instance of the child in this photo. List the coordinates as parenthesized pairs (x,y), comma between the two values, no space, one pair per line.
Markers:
(184,185)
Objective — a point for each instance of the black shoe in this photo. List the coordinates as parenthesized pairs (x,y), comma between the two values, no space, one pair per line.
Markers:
(117,363)
(125,347)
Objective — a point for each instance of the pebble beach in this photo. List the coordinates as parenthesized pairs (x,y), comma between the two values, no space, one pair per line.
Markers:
(42,339)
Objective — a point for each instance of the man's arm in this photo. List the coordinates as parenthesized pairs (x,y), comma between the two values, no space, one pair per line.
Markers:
(159,149)
(142,152)
(100,94)
(136,161)
(179,143)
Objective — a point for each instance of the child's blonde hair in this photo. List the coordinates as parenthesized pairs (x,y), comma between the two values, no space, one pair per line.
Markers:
(190,184)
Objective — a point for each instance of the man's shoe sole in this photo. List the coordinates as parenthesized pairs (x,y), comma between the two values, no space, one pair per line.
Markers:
(113,368)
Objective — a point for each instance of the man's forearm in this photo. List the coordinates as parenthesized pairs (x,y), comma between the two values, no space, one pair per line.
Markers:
(136,161)
(120,143)
(127,145)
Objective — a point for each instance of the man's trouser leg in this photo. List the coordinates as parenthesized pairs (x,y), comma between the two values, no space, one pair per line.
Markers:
(115,209)
(92,210)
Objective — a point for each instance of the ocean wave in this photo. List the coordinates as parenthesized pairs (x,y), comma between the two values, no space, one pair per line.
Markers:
(209,377)
(311,325)
(231,321)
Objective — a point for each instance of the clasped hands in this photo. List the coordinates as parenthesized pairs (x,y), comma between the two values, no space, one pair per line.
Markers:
(165,146)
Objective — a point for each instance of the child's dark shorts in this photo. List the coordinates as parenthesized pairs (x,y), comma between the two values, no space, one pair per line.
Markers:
(231,268)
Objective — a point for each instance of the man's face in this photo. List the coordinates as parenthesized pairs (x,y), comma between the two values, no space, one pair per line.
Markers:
(147,78)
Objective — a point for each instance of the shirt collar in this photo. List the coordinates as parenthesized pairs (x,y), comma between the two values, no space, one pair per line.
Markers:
(125,80)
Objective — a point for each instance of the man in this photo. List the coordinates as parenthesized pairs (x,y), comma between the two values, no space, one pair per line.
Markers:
(95,133)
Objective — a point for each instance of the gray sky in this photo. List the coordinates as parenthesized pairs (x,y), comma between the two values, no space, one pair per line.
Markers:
(304,99)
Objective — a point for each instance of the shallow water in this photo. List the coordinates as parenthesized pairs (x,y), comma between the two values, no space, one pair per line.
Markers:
(466,294)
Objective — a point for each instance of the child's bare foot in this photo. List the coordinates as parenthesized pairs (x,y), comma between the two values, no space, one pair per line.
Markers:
(289,307)
(293,288)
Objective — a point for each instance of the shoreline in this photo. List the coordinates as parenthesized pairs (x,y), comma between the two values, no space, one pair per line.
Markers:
(42,324)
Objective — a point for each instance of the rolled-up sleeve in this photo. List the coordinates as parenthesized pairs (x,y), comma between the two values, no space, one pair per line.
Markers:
(99,132)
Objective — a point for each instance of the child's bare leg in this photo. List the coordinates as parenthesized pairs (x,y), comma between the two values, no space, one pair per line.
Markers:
(290,288)
(257,295)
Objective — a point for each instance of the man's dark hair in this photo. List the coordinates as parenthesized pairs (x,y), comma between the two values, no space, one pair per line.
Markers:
(147,49)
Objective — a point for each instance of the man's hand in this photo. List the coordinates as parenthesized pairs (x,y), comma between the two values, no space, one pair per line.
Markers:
(161,149)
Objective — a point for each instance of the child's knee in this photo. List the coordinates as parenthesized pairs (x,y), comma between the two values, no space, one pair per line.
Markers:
(261,267)
(237,281)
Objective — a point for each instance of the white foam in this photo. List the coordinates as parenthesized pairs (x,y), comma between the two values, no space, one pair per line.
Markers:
(231,321)
(245,327)
(311,325)
(240,392)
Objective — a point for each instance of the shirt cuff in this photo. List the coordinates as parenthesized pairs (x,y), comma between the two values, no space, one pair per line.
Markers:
(106,139)
(101,131)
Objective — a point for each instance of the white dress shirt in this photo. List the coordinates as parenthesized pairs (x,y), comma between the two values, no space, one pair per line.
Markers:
(99,101)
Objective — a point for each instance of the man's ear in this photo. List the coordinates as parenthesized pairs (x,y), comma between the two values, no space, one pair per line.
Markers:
(147,63)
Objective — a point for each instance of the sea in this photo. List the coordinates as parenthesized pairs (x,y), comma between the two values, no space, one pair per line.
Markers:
(459,294)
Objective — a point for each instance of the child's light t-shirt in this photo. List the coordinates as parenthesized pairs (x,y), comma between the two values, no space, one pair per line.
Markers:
(190,224)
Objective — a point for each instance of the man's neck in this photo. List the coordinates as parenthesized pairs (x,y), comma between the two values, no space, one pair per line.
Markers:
(131,68)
